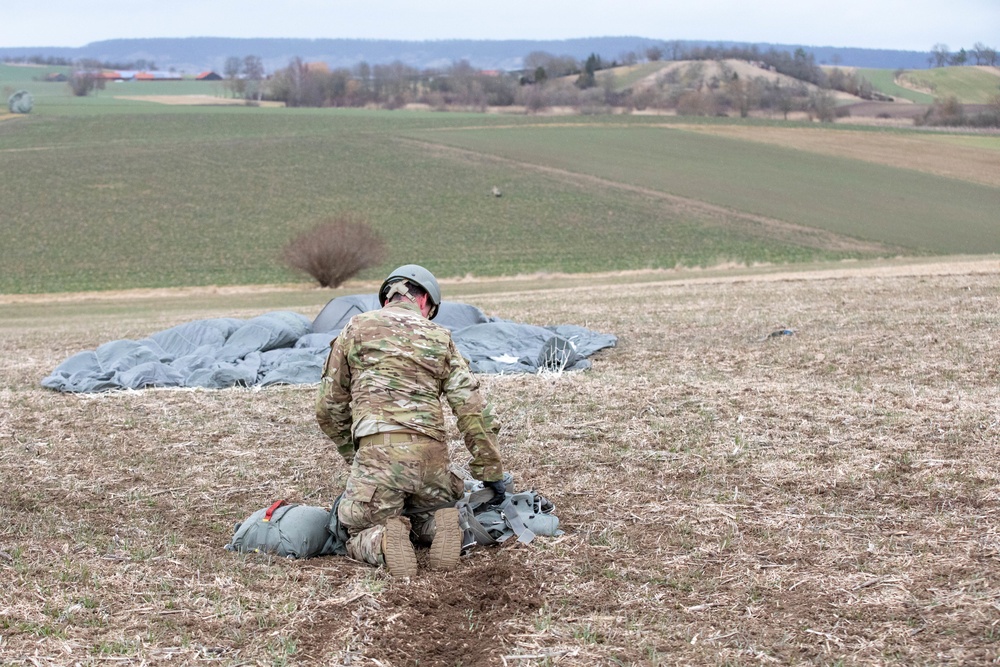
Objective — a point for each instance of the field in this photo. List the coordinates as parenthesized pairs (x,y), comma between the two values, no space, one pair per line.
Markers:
(729,497)
(56,98)
(970,85)
(152,195)
(884,81)
(828,497)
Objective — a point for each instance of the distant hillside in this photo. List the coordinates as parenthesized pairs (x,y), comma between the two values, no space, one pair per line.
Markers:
(194,54)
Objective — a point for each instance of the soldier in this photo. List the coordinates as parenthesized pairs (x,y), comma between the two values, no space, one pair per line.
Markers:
(380,402)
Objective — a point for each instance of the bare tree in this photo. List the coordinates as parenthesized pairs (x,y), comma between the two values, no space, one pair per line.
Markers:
(85,81)
(978,51)
(824,105)
(939,55)
(253,69)
(983,54)
(335,250)
(231,71)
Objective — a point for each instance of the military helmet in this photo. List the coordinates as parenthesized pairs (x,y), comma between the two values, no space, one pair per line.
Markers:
(417,275)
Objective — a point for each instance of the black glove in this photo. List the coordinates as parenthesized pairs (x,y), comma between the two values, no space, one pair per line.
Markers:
(499,488)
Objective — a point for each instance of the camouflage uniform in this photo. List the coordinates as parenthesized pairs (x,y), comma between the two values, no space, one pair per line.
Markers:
(380,402)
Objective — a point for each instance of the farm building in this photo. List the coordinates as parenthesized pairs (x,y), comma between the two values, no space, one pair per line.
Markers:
(157,76)
(208,76)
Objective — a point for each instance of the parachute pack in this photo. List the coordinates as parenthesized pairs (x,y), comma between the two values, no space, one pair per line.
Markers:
(305,531)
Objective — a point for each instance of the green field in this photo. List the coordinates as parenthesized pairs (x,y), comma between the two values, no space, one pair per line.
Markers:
(53,97)
(861,200)
(884,81)
(969,84)
(101,193)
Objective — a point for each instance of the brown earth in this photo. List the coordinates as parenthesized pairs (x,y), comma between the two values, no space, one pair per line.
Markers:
(931,153)
(194,100)
(729,496)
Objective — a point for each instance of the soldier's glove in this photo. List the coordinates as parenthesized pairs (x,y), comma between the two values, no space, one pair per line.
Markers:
(499,489)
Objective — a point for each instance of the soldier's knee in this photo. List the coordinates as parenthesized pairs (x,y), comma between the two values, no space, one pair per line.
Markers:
(354,515)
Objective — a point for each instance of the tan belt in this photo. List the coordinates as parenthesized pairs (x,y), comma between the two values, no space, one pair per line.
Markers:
(390,438)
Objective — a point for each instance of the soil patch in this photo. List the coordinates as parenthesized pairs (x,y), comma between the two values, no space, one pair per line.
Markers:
(910,151)
(195,100)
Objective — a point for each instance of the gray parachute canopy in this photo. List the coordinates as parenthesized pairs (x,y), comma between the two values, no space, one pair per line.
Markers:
(286,348)
(21,102)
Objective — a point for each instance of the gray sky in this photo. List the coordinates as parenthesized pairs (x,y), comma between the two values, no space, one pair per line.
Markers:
(889,24)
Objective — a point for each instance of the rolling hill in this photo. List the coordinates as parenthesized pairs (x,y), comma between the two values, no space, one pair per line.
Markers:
(194,54)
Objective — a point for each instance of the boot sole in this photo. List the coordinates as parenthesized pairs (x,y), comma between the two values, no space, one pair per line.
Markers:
(446,549)
(400,559)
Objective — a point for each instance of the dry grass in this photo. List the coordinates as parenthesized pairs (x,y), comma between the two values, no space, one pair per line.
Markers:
(908,151)
(196,100)
(828,497)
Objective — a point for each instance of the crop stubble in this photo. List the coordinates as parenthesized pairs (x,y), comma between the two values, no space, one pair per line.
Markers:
(728,497)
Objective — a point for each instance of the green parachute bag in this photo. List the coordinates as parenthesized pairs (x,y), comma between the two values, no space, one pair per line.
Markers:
(290,531)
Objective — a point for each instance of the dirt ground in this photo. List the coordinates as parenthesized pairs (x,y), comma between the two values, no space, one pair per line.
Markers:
(929,153)
(730,494)
(195,100)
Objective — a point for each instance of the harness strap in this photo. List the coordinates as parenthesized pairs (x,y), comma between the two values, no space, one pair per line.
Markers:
(471,523)
(473,500)
(524,534)
(270,510)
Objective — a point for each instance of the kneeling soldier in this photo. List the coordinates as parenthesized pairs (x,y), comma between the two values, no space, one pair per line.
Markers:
(380,402)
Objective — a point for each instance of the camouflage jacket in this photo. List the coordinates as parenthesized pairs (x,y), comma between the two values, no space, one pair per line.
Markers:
(392,366)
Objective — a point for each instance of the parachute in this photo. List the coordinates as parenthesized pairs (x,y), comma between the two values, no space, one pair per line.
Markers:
(305,531)
(21,102)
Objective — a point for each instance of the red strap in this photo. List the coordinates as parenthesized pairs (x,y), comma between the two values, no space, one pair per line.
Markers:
(270,510)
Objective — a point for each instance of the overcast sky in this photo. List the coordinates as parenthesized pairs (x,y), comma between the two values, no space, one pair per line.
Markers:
(915,25)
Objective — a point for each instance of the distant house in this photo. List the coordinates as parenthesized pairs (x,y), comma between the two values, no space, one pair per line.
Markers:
(208,76)
(55,76)
(157,76)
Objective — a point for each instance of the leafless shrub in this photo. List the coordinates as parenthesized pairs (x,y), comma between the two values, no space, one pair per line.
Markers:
(335,250)
(694,103)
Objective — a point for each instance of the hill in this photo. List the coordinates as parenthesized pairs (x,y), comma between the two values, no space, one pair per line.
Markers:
(970,84)
(195,54)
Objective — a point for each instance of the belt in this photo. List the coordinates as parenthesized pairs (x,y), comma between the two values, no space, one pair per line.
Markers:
(390,438)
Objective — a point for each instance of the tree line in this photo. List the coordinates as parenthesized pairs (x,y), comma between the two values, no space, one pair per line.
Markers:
(982,54)
(548,80)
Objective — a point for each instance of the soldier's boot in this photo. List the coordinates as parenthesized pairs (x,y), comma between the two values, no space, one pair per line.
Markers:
(400,559)
(446,548)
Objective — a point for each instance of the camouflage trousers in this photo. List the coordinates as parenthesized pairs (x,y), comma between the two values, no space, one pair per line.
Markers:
(394,473)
